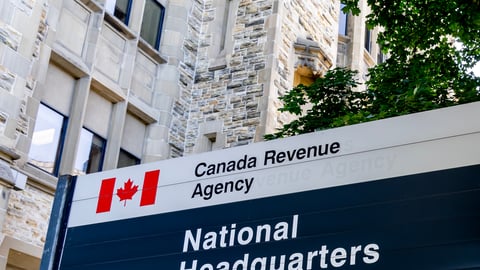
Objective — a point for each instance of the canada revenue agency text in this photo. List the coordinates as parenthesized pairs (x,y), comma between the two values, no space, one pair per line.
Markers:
(271,157)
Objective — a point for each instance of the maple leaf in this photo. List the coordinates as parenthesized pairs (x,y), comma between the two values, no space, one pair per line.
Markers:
(127,191)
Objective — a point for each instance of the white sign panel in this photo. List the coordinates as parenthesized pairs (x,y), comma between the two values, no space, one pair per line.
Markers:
(411,144)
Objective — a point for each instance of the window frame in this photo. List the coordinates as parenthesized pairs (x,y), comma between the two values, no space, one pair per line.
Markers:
(127,12)
(102,153)
(159,31)
(129,155)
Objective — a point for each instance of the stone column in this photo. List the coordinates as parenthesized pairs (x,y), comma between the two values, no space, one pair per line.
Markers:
(77,114)
(115,135)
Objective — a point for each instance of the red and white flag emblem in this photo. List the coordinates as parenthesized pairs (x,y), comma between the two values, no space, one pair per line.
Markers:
(127,191)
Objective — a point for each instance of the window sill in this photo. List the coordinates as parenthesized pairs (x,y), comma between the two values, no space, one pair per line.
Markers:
(141,110)
(151,52)
(71,62)
(368,58)
(40,179)
(92,5)
(119,26)
(344,39)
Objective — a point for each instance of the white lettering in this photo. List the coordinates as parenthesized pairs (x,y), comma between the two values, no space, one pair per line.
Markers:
(195,243)
(316,259)
(245,240)
(243,263)
(228,237)
(208,191)
(372,254)
(338,257)
(194,265)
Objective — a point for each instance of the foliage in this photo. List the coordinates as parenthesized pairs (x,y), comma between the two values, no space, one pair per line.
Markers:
(326,103)
(427,67)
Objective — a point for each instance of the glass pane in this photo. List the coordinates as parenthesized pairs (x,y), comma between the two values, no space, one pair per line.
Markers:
(368,37)
(152,23)
(122,10)
(46,139)
(96,155)
(342,22)
(90,153)
(126,159)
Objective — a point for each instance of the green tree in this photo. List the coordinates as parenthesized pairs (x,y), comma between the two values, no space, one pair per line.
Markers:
(328,102)
(432,47)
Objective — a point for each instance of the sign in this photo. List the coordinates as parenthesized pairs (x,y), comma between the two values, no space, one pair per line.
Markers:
(400,193)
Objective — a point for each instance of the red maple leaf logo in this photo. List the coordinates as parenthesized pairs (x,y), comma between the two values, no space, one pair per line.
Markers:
(127,191)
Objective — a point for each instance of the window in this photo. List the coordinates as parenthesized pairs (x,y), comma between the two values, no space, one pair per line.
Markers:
(381,57)
(47,140)
(122,10)
(342,21)
(152,23)
(368,39)
(91,150)
(126,159)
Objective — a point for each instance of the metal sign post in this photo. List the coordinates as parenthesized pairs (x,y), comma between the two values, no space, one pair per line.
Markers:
(57,227)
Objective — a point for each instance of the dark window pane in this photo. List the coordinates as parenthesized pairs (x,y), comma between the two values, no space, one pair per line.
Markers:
(152,23)
(122,10)
(126,159)
(90,153)
(47,139)
(368,39)
(380,58)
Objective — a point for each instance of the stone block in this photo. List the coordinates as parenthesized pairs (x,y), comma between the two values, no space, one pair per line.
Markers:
(9,36)
(16,63)
(110,54)
(30,228)
(72,28)
(7,79)
(6,11)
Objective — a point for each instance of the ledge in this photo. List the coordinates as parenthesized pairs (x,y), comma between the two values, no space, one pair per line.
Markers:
(143,111)
(8,154)
(151,52)
(39,179)
(92,5)
(110,91)
(344,39)
(368,58)
(119,26)
(72,63)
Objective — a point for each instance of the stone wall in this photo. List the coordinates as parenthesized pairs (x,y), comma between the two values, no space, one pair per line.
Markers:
(238,88)
(315,22)
(19,54)
(228,93)
(23,28)
(28,215)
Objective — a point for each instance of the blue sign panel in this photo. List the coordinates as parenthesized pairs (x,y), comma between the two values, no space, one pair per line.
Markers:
(421,221)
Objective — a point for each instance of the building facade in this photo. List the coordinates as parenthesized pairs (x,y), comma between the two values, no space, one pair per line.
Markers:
(91,85)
